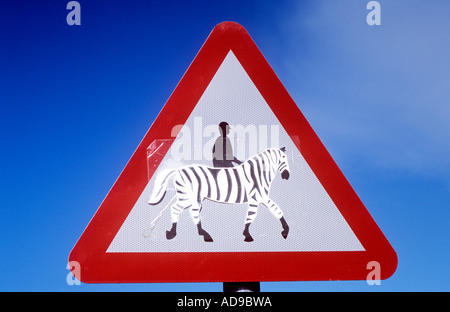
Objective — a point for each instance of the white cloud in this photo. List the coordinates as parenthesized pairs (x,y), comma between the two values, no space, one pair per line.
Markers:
(379,93)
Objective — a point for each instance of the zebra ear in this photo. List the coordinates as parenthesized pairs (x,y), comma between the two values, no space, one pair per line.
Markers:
(283,149)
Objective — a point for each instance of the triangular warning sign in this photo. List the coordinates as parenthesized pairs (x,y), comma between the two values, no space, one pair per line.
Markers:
(231,183)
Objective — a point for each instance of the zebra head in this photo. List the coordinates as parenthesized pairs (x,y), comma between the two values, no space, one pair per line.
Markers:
(283,165)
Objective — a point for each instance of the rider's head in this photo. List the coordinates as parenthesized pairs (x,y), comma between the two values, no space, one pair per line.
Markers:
(224,128)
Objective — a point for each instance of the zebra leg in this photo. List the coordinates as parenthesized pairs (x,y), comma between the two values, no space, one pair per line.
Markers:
(194,211)
(175,212)
(173,231)
(248,237)
(277,213)
(285,226)
(251,215)
(202,232)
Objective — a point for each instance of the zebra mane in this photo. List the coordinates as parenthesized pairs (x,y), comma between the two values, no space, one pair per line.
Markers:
(283,149)
(267,150)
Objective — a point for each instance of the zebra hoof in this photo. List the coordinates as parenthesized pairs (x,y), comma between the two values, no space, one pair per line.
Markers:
(246,233)
(248,238)
(202,232)
(207,238)
(285,226)
(170,234)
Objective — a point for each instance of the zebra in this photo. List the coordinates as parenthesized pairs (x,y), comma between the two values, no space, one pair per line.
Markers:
(247,183)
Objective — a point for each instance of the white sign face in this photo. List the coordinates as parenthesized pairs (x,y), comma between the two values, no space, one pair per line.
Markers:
(314,222)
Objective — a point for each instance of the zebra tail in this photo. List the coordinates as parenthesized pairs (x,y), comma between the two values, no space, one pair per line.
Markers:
(160,187)
(148,232)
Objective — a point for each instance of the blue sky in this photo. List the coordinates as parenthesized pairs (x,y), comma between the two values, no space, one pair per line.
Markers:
(76,101)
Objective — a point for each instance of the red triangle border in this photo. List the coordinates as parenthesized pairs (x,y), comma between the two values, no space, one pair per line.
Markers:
(97,266)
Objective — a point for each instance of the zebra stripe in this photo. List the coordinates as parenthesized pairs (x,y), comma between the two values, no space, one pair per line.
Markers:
(247,183)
